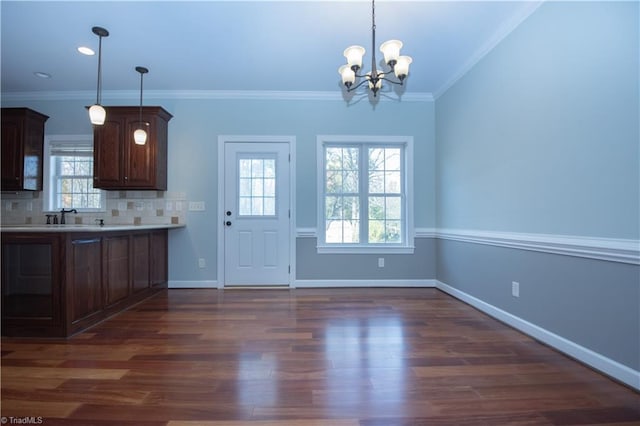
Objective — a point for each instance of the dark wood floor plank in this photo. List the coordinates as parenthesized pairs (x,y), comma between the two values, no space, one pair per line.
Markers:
(317,357)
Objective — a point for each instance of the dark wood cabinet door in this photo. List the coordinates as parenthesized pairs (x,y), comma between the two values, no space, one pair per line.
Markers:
(140,253)
(140,159)
(159,258)
(11,153)
(22,149)
(32,303)
(33,153)
(116,270)
(84,279)
(107,153)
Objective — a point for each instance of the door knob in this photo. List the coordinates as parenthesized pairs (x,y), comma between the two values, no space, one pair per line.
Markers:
(228,223)
(228,213)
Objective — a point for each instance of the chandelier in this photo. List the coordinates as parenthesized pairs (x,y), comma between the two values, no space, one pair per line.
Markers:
(398,65)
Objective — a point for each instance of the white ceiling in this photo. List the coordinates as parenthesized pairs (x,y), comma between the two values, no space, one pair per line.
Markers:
(281,46)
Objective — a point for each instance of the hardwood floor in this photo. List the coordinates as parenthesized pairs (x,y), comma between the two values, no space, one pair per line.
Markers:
(339,357)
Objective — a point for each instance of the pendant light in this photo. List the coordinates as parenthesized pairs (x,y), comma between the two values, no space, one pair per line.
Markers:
(97,113)
(140,135)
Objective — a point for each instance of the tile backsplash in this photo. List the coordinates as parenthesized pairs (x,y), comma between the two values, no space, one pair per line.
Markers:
(123,208)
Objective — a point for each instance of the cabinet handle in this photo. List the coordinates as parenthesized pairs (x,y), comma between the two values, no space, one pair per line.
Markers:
(86,241)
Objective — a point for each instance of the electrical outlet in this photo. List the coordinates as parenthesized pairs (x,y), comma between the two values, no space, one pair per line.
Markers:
(515,289)
(381,262)
(202,263)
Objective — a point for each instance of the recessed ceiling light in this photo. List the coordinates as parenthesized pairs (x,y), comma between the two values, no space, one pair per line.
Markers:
(42,74)
(86,50)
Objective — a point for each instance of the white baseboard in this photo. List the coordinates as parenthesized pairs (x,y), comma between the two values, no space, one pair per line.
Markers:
(606,365)
(363,283)
(193,284)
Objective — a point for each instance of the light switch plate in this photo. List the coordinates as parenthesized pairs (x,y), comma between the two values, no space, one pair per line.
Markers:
(196,206)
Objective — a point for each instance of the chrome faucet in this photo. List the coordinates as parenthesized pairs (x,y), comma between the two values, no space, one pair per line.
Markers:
(62,213)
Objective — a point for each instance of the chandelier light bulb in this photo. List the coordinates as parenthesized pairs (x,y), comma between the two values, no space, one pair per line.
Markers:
(348,75)
(378,84)
(391,51)
(401,68)
(354,56)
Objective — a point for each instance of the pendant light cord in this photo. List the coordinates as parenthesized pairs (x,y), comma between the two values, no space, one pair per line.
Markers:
(141,74)
(99,85)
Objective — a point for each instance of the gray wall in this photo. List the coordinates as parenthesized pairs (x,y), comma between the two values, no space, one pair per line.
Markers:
(542,137)
(420,266)
(591,302)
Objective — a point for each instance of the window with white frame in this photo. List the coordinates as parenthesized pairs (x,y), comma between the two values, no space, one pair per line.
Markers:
(69,168)
(365,194)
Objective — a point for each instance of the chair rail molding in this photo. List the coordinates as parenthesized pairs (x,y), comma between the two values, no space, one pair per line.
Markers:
(611,249)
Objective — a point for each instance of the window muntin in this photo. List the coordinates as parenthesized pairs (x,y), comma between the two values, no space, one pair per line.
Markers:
(363,197)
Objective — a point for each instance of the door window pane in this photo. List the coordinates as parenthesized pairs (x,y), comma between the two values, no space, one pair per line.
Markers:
(257,187)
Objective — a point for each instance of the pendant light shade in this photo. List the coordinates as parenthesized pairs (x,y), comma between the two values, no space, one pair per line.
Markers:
(97,113)
(140,135)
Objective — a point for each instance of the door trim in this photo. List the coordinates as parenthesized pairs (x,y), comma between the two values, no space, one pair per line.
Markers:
(291,141)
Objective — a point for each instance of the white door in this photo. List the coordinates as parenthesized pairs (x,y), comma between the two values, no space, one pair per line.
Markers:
(256,213)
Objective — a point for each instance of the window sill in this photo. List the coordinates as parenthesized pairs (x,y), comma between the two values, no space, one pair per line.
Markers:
(365,249)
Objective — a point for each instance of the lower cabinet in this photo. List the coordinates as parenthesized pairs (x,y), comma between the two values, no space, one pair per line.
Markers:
(57,284)
(84,280)
(159,258)
(32,302)
(141,262)
(116,268)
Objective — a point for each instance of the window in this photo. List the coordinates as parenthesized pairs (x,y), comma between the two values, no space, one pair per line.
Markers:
(257,195)
(365,190)
(69,168)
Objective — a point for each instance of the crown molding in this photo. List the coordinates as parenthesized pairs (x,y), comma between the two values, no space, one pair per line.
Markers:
(268,95)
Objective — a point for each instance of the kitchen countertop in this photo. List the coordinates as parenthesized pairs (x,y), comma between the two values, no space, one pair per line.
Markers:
(83,228)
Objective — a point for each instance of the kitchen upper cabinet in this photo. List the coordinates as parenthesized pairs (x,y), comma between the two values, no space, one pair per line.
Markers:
(120,163)
(22,149)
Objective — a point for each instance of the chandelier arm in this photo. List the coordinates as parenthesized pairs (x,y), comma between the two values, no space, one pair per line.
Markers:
(399,83)
(351,89)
